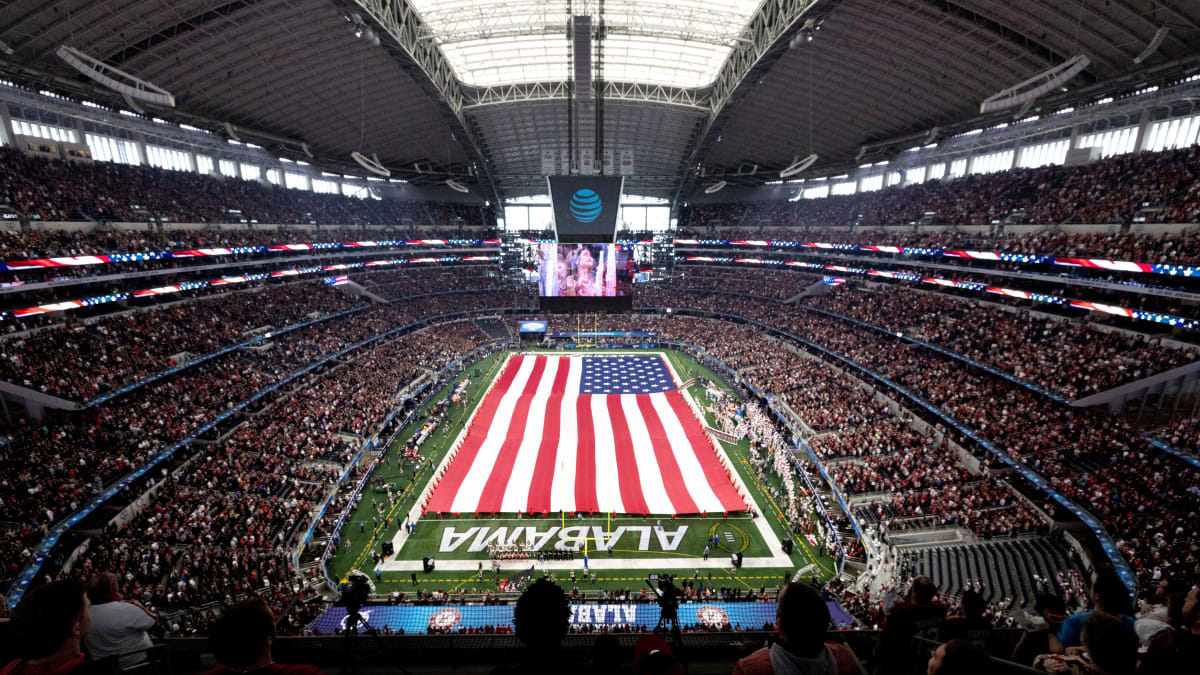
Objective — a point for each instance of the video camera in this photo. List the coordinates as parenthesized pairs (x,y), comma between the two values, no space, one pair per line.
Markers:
(355,592)
(666,594)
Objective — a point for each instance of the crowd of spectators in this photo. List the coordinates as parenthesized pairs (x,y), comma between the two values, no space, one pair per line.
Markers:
(55,190)
(37,243)
(1110,190)
(1144,496)
(81,362)
(222,526)
(1073,359)
(53,467)
(1182,433)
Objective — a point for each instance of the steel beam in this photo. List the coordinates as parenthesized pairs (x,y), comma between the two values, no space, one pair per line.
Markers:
(401,30)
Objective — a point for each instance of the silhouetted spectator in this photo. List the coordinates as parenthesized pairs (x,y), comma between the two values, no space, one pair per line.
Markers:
(241,640)
(1109,596)
(540,619)
(1109,648)
(1050,610)
(801,617)
(48,628)
(959,657)
(972,626)
(920,615)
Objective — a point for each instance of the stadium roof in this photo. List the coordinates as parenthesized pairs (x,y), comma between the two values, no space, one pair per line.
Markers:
(478,90)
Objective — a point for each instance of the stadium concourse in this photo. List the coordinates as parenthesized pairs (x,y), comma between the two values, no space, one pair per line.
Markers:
(836,337)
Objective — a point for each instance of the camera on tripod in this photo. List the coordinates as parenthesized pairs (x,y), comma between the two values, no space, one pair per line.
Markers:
(354,594)
(667,596)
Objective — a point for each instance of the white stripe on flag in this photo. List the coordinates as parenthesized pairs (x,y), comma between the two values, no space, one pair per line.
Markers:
(608,490)
(562,495)
(649,473)
(689,466)
(467,498)
(516,493)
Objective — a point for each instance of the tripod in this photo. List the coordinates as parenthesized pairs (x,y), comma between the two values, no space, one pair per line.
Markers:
(353,622)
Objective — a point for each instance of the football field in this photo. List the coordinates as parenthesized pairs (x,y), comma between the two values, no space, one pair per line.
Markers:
(621,545)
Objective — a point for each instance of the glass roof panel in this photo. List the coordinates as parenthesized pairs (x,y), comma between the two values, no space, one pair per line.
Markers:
(679,43)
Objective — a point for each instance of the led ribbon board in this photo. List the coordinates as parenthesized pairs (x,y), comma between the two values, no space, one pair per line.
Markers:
(585,207)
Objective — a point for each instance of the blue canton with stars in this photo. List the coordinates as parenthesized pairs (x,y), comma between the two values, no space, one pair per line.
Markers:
(625,375)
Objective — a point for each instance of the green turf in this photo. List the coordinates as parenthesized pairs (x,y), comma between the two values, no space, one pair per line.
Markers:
(429,531)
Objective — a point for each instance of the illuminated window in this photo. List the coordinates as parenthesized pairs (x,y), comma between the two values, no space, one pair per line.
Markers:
(46,131)
(250,171)
(295,181)
(1043,154)
(937,171)
(1172,134)
(273,176)
(167,158)
(1113,141)
(325,187)
(914,175)
(204,164)
(871,183)
(108,149)
(817,192)
(958,168)
(228,167)
(843,188)
(992,162)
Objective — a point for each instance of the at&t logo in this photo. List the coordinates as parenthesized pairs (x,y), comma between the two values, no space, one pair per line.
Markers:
(585,205)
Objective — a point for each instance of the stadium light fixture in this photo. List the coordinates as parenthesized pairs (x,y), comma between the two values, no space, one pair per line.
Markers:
(715,188)
(456,186)
(1153,45)
(798,166)
(1028,90)
(371,164)
(133,105)
(115,78)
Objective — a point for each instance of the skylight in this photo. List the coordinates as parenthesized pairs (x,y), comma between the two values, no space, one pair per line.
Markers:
(678,43)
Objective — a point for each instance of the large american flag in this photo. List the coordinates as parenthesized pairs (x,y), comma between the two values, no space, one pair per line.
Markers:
(595,434)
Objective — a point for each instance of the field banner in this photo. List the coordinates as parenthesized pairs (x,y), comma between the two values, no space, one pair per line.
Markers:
(452,618)
(593,434)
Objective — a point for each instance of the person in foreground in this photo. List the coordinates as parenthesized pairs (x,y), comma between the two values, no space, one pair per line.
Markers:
(116,626)
(48,628)
(241,640)
(802,617)
(540,619)
(959,657)
(1109,648)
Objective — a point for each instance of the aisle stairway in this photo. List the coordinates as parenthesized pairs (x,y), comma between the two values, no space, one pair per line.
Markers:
(1005,566)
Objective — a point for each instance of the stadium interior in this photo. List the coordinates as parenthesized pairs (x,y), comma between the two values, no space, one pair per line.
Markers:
(837,337)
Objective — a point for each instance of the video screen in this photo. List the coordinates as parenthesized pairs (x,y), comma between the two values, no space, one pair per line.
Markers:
(584,271)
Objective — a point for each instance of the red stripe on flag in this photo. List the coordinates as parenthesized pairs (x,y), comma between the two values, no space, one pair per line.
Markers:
(443,495)
(492,496)
(628,478)
(585,457)
(713,471)
(672,477)
(542,483)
